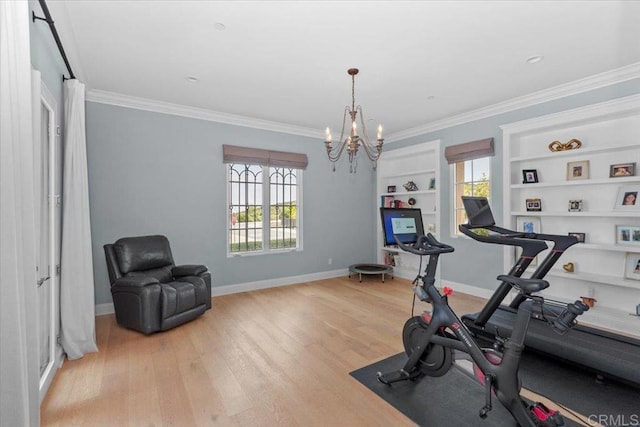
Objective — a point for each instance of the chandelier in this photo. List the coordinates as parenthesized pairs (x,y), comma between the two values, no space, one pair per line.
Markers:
(352,143)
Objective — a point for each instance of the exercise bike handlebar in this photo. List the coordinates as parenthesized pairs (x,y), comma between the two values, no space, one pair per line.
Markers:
(425,245)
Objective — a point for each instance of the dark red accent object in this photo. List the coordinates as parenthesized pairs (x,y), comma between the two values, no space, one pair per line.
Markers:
(447,291)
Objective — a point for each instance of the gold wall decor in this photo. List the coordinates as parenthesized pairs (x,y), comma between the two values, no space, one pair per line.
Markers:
(572,144)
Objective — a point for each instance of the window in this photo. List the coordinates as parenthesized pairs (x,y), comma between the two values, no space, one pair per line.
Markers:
(470,178)
(264,200)
(250,187)
(470,165)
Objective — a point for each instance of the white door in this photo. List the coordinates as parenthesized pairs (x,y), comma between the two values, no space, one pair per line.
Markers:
(47,232)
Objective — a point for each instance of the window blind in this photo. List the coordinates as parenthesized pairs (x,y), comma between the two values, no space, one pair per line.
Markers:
(469,150)
(257,156)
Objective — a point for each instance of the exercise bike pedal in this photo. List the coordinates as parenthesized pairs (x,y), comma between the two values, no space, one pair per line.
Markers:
(393,377)
(545,417)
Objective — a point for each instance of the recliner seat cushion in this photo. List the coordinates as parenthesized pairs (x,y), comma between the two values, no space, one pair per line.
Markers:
(142,253)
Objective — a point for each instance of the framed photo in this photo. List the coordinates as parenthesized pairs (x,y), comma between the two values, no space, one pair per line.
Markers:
(533,205)
(527,224)
(432,184)
(391,189)
(580,236)
(575,205)
(578,170)
(622,169)
(529,176)
(628,235)
(627,199)
(632,266)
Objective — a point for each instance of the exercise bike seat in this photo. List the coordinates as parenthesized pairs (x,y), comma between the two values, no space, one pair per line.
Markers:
(526,286)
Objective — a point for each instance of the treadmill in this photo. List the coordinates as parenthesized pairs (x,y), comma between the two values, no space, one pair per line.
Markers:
(605,353)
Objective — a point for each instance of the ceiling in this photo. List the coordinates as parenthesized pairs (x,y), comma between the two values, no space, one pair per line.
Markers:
(286,61)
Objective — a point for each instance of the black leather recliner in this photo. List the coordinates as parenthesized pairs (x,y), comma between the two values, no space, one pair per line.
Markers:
(150,293)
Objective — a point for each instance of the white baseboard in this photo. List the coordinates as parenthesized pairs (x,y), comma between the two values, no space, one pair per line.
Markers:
(469,290)
(216,291)
(273,283)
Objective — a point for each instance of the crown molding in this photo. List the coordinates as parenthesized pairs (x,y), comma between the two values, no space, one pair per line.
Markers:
(112,98)
(586,84)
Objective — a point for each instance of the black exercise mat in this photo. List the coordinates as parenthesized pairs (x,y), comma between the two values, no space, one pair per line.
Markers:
(577,388)
(455,399)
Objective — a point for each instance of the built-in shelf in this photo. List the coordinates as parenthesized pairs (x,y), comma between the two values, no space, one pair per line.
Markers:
(410,173)
(409,193)
(603,214)
(419,163)
(579,182)
(609,135)
(580,152)
(596,278)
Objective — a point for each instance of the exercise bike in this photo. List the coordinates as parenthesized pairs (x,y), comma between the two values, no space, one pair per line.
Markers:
(434,340)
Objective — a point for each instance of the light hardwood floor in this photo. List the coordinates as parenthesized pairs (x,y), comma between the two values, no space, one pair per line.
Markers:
(274,357)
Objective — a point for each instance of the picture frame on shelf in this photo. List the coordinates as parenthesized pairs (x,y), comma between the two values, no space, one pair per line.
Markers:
(578,170)
(529,176)
(527,224)
(391,188)
(628,235)
(627,199)
(622,169)
(632,266)
(533,205)
(432,184)
(580,236)
(575,205)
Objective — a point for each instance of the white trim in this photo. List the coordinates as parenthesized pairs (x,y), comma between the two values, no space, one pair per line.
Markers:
(469,289)
(111,98)
(628,104)
(216,291)
(586,84)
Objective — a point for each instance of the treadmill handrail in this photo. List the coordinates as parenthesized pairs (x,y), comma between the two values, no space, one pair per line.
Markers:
(516,238)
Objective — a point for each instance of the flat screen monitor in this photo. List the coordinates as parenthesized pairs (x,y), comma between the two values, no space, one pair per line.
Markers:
(478,211)
(406,223)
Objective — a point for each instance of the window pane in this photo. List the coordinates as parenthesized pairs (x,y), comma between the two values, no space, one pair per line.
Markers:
(283,208)
(245,194)
(471,178)
(480,169)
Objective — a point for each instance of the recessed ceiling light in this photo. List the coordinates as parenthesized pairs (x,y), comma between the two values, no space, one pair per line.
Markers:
(219,26)
(430,98)
(192,79)
(534,59)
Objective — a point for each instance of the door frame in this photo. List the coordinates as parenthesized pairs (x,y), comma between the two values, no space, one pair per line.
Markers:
(43,97)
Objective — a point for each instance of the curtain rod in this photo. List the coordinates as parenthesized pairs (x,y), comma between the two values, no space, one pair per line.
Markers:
(52,27)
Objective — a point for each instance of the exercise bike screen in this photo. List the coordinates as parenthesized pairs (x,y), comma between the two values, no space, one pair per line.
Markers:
(405,223)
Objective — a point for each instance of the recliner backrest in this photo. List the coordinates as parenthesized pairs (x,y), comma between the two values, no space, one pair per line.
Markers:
(142,253)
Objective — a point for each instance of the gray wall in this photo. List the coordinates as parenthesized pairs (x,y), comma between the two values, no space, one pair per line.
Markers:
(153,173)
(157,173)
(483,262)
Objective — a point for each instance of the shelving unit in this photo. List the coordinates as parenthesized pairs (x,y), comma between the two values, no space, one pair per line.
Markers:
(610,134)
(421,164)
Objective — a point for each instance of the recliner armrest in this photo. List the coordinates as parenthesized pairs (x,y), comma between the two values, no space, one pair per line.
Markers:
(133,283)
(188,270)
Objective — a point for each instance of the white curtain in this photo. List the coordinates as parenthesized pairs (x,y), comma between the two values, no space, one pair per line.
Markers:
(19,374)
(77,304)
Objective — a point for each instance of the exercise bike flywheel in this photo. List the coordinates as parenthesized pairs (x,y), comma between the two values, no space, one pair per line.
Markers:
(436,359)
